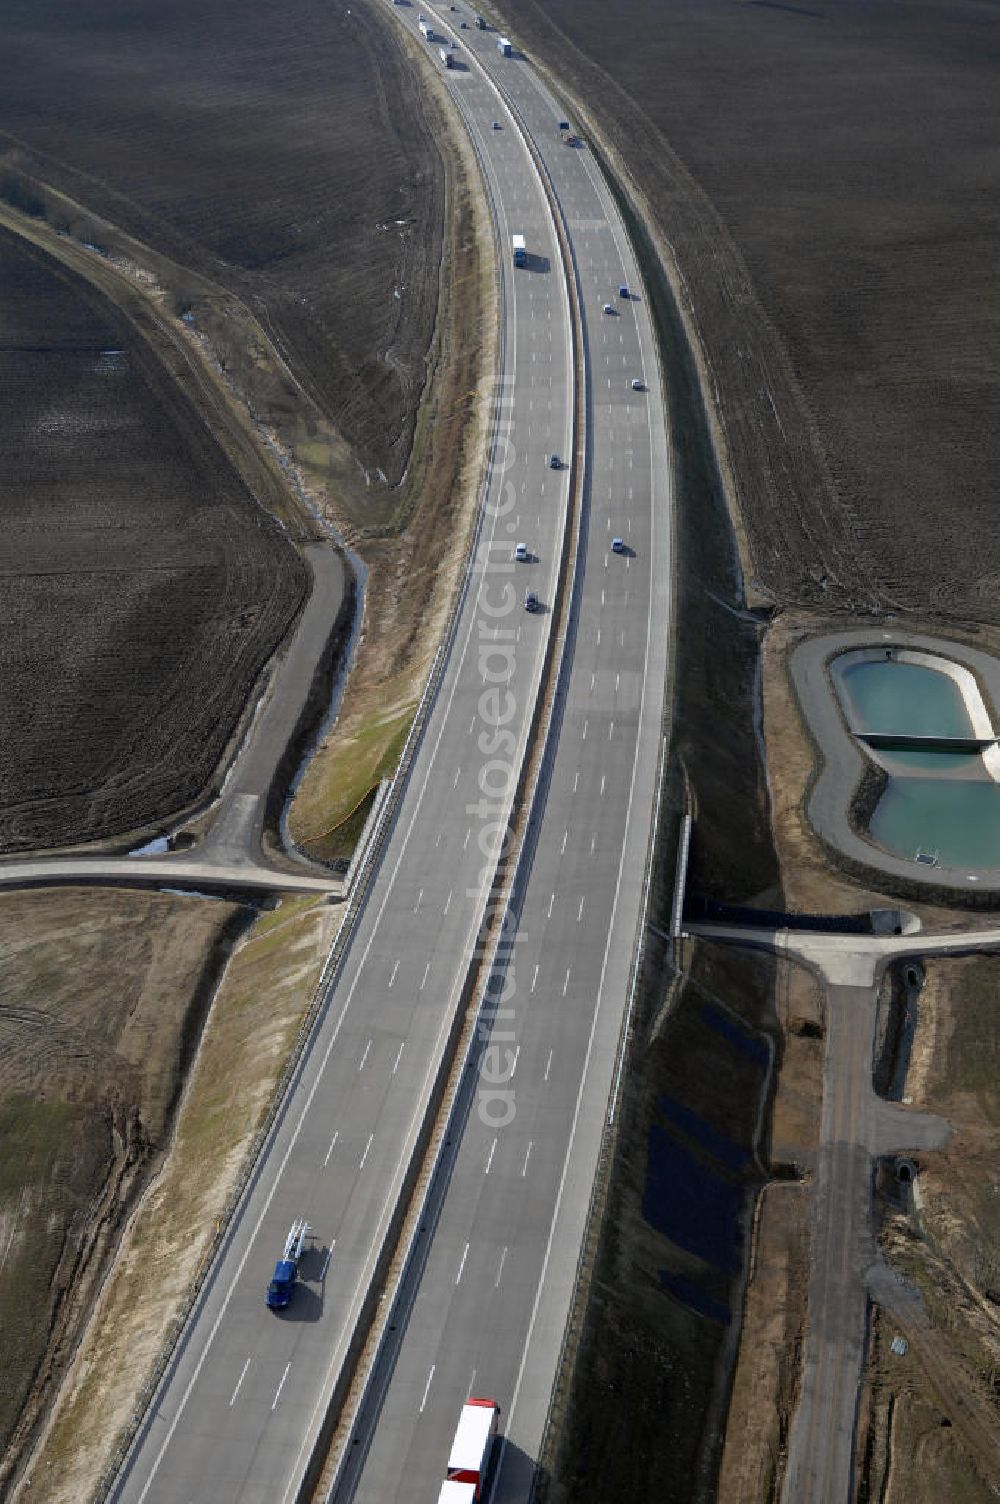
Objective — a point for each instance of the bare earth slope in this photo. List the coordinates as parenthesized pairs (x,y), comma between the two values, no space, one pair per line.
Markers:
(101,1006)
(280,147)
(143,589)
(825,174)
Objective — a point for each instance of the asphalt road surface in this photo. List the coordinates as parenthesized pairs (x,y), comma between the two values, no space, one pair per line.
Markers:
(857,1128)
(244,1395)
(485,1306)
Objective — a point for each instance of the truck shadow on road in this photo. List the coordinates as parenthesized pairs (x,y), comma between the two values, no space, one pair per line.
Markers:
(307,1302)
(305,1305)
(537,263)
(511,1472)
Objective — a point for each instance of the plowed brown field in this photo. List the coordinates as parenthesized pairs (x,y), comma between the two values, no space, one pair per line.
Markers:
(825,175)
(279,147)
(143,588)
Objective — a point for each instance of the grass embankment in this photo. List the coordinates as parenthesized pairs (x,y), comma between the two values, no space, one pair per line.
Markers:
(766,1379)
(336,800)
(415,563)
(254,1020)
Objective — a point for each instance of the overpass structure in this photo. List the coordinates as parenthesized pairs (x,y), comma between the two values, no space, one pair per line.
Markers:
(240,1412)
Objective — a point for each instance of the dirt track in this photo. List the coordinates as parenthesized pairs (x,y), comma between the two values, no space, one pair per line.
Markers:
(281,150)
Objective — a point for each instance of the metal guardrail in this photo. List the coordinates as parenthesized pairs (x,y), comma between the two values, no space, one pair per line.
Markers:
(680,878)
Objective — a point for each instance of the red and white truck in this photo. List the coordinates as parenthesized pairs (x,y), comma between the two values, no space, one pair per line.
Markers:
(470,1452)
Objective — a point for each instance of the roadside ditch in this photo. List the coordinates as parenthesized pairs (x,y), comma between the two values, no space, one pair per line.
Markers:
(651,1341)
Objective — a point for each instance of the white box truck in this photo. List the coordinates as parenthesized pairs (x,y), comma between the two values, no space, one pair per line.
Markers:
(505,46)
(520,250)
(469,1461)
(457,1493)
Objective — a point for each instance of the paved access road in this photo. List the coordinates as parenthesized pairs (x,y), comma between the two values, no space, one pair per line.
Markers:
(857,1128)
(238,1412)
(485,1308)
(230,856)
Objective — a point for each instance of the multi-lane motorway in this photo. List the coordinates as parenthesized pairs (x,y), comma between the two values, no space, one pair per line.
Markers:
(242,1402)
(492,1298)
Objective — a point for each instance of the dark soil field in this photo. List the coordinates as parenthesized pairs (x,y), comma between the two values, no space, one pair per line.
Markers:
(280,149)
(143,588)
(825,175)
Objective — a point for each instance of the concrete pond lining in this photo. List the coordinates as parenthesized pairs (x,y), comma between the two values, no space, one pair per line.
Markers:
(846,764)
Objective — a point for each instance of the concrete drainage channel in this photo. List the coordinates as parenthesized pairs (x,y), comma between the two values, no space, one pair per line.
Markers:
(850,779)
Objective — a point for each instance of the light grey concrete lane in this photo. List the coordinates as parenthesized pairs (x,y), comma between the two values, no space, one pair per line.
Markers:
(508,1208)
(198,1428)
(508,1214)
(352,1187)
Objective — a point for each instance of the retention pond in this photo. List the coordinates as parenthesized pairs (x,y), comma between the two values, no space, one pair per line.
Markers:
(923,721)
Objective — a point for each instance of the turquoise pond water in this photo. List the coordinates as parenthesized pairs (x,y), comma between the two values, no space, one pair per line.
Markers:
(940,803)
(903,698)
(958,819)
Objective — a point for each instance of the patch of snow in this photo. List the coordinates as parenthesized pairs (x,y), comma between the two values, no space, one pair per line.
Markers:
(156,847)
